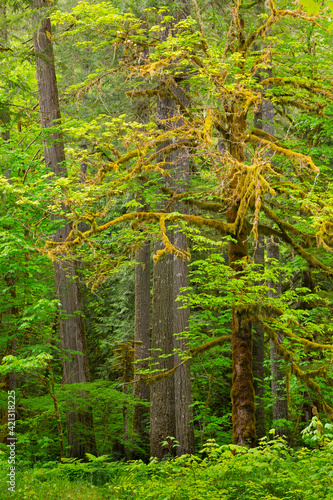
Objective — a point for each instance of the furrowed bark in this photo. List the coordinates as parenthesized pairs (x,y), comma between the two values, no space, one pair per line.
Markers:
(183,394)
(162,395)
(75,367)
(141,390)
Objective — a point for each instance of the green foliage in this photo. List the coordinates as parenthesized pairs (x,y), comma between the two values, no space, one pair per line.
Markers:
(99,48)
(271,471)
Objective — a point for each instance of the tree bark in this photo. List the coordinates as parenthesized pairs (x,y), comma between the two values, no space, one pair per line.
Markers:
(258,353)
(75,367)
(173,321)
(162,395)
(141,390)
(264,120)
(183,393)
(242,392)
(280,403)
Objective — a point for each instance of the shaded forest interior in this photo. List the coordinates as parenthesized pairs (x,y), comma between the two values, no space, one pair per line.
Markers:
(166,227)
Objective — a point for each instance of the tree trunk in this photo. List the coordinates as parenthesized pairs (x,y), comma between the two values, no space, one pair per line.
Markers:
(280,403)
(242,392)
(264,120)
(183,393)
(141,390)
(162,395)
(141,334)
(75,367)
(170,411)
(258,353)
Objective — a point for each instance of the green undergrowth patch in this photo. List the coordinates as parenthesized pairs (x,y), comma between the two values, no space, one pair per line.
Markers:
(229,472)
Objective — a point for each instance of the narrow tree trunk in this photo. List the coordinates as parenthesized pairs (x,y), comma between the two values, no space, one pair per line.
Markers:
(75,367)
(142,342)
(258,353)
(264,120)
(141,391)
(280,403)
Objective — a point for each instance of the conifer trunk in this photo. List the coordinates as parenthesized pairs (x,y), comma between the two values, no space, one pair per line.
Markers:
(170,409)
(259,353)
(183,393)
(141,390)
(162,393)
(280,402)
(75,367)
(242,392)
(264,120)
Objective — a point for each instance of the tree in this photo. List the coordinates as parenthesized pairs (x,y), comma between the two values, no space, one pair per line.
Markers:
(72,334)
(235,183)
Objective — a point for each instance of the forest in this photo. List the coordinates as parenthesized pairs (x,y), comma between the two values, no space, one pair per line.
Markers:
(166,239)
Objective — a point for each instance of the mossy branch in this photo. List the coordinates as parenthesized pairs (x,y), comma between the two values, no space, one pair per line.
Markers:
(311,88)
(193,220)
(308,239)
(292,155)
(191,353)
(313,262)
(306,378)
(308,344)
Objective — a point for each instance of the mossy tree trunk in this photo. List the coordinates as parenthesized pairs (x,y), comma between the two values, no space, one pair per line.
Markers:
(242,392)
(75,367)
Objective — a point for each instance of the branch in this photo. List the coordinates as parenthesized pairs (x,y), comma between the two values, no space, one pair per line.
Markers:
(192,353)
(292,155)
(304,377)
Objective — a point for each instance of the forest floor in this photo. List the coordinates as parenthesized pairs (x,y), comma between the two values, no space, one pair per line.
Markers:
(270,472)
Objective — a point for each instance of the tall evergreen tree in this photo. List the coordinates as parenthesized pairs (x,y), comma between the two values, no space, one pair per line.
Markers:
(72,334)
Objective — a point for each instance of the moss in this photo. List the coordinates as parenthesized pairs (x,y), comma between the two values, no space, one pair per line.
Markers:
(242,394)
(208,345)
(306,378)
(292,155)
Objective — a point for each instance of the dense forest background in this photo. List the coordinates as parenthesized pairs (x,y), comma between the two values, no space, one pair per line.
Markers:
(166,246)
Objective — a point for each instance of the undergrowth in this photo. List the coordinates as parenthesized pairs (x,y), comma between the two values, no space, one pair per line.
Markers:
(229,472)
